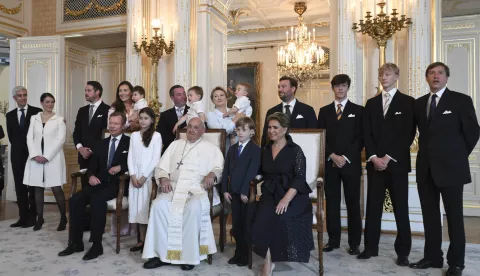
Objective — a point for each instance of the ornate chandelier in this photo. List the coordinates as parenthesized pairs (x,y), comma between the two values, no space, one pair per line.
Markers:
(301,58)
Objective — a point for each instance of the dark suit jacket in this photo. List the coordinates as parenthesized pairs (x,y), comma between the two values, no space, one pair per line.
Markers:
(87,134)
(99,159)
(391,135)
(344,136)
(17,136)
(309,119)
(242,169)
(446,142)
(168,119)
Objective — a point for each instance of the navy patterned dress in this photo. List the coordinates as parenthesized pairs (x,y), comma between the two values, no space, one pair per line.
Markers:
(289,235)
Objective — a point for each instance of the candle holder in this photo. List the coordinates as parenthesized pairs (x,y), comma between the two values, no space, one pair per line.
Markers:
(4,107)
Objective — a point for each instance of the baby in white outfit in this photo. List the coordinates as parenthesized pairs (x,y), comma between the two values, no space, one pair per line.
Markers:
(242,104)
(196,110)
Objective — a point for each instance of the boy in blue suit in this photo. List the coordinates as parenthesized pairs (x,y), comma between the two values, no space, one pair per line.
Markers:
(241,165)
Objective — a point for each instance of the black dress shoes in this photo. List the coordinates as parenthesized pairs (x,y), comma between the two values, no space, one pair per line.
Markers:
(454,271)
(94,252)
(329,248)
(154,263)
(19,223)
(38,224)
(29,223)
(137,248)
(424,263)
(242,262)
(72,248)
(186,267)
(402,261)
(233,260)
(353,251)
(366,255)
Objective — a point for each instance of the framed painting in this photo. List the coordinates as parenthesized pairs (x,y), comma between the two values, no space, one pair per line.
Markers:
(248,72)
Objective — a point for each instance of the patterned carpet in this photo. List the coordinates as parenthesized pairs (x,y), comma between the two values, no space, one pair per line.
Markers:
(24,252)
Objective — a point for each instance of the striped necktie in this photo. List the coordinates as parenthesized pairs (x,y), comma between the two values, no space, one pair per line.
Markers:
(339,111)
(387,103)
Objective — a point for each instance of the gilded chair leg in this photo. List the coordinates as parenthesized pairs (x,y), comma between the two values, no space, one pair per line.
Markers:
(209,258)
(119,223)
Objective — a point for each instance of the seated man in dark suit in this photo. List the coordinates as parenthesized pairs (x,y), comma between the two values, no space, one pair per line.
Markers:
(109,161)
(301,115)
(169,118)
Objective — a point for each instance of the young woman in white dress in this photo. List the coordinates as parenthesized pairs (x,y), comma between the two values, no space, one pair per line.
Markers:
(143,156)
(45,167)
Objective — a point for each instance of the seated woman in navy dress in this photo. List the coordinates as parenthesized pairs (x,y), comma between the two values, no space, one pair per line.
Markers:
(282,228)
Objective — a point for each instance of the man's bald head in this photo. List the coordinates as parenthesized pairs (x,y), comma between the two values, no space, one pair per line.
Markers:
(195,129)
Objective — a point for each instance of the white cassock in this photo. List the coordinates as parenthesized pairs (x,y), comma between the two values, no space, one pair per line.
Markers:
(179,228)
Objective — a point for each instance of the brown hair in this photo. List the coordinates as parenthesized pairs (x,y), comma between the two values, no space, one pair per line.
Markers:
(121,114)
(281,118)
(218,88)
(198,90)
(246,85)
(293,82)
(148,134)
(389,67)
(139,89)
(173,88)
(244,122)
(437,64)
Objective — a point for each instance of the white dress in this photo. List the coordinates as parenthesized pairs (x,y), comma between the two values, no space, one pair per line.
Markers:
(141,162)
(53,173)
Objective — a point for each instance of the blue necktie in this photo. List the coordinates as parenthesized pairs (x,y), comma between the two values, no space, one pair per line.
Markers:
(239,150)
(22,118)
(111,153)
(433,106)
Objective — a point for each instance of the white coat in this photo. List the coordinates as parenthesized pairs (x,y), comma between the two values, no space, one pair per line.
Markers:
(52,173)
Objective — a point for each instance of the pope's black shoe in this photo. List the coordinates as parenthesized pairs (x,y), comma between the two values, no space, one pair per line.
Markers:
(186,267)
(154,263)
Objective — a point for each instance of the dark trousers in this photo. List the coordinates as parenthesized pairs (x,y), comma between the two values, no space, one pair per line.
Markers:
(333,193)
(97,197)
(452,197)
(25,194)
(397,184)
(239,222)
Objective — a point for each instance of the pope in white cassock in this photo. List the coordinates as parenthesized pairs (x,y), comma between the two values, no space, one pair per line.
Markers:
(179,228)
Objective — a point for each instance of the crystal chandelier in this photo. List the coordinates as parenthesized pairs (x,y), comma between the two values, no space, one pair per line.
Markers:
(301,58)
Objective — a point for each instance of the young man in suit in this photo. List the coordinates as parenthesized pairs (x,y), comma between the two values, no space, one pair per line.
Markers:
(301,115)
(389,131)
(18,121)
(342,120)
(241,166)
(89,125)
(169,118)
(449,131)
(108,163)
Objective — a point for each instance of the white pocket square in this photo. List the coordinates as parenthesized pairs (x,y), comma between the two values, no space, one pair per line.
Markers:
(125,151)
(351,115)
(99,116)
(299,116)
(398,113)
(447,112)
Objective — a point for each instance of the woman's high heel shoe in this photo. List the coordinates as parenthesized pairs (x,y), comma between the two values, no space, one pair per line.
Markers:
(38,224)
(63,224)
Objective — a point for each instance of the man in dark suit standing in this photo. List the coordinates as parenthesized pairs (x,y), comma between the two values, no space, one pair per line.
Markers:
(342,120)
(389,131)
(169,118)
(108,162)
(89,125)
(18,121)
(449,131)
(301,115)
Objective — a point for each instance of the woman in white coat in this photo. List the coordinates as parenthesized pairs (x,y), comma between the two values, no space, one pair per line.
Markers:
(45,167)
(143,156)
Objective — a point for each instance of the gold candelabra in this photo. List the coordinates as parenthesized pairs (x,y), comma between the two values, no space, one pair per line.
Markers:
(4,107)
(382,28)
(155,50)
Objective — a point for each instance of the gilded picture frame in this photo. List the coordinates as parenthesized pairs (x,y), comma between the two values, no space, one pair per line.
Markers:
(248,72)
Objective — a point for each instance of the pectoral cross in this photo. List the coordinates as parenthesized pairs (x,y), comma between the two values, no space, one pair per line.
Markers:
(179,164)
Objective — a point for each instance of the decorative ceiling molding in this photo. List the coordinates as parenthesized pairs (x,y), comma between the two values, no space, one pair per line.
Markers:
(11,11)
(234,15)
(279,28)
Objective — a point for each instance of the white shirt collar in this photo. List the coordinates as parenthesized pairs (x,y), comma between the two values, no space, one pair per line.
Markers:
(343,103)
(292,104)
(24,108)
(243,144)
(220,112)
(179,108)
(391,92)
(97,104)
(118,138)
(439,93)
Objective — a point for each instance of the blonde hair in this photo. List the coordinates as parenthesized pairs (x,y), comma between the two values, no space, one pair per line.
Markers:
(389,67)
